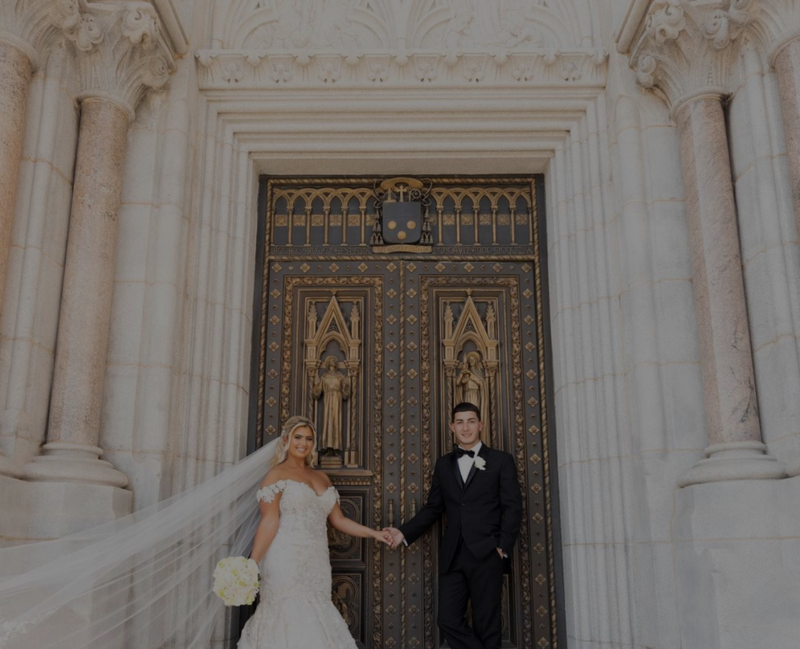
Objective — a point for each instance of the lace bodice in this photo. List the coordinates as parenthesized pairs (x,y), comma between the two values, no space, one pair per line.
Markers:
(303,511)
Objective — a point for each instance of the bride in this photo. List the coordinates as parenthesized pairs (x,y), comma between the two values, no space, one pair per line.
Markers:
(291,548)
(145,580)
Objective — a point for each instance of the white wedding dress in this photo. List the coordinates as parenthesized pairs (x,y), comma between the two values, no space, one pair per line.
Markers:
(296,611)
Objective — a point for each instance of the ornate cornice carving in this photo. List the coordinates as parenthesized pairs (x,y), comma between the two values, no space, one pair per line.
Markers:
(358,43)
(684,48)
(120,48)
(253,69)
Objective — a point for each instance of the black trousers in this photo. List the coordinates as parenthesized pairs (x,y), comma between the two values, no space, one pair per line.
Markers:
(479,581)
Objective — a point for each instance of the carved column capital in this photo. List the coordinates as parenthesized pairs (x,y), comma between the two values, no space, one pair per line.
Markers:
(26,25)
(778,25)
(684,49)
(120,48)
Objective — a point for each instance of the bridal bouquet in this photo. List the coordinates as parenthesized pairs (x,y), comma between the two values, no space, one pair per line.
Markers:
(236,581)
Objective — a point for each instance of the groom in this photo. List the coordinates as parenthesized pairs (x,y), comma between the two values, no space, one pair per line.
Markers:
(476,487)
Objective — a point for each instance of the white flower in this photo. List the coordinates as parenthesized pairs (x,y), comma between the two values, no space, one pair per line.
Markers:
(480,463)
(236,581)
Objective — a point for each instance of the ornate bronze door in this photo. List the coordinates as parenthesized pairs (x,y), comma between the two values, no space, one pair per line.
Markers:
(379,307)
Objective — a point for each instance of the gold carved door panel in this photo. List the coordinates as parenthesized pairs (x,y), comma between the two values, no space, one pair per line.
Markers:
(376,341)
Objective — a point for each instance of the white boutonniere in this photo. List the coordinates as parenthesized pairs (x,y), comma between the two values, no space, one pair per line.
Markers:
(480,463)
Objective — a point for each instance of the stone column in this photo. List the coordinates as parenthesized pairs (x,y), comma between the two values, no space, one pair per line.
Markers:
(690,52)
(16,67)
(72,451)
(120,52)
(15,75)
(735,448)
(786,62)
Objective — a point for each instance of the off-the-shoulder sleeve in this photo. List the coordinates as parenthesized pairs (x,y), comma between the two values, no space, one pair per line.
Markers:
(267,494)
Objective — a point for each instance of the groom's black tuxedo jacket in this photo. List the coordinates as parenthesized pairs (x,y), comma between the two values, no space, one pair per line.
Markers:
(486,511)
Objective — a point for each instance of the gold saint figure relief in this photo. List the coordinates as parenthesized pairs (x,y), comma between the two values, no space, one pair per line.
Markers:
(334,388)
(472,389)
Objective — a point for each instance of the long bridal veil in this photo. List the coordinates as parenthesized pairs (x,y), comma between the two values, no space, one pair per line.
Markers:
(140,582)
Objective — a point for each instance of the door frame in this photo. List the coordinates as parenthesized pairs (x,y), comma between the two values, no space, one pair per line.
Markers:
(557,620)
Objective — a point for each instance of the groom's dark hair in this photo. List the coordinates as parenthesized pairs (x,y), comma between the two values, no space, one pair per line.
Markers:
(465,407)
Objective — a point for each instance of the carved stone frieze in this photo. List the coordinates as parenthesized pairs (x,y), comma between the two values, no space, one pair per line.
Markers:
(439,42)
(364,25)
(120,48)
(261,69)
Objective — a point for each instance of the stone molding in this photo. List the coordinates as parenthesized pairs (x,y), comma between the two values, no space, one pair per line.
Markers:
(120,48)
(688,48)
(254,69)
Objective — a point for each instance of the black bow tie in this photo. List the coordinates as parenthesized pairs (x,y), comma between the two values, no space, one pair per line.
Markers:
(460,452)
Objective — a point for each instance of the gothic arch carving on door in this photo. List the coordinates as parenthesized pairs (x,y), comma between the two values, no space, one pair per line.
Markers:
(397,334)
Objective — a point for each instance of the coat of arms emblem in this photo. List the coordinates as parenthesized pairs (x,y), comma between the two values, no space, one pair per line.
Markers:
(402,207)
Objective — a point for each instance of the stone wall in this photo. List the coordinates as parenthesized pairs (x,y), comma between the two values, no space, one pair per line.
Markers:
(673,487)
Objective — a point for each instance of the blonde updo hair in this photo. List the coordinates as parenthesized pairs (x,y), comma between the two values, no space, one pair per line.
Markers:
(282,447)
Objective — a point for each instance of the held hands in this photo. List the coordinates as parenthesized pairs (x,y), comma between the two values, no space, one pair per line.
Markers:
(384,537)
(395,535)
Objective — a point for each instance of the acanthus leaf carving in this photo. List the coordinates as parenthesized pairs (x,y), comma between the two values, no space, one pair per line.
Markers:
(377,72)
(81,28)
(88,33)
(140,26)
(28,26)
(281,71)
(684,47)
(120,48)
(645,71)
(361,25)
(666,23)
(66,15)
(726,25)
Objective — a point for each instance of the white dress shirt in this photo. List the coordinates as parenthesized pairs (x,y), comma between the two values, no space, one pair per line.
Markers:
(465,462)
